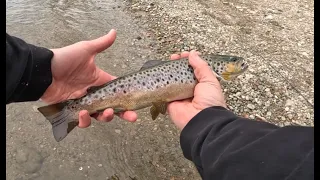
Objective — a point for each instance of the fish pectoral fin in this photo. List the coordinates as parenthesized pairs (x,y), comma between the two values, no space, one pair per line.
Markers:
(157,108)
(151,63)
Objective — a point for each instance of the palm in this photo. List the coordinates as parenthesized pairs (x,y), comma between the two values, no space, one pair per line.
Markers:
(73,72)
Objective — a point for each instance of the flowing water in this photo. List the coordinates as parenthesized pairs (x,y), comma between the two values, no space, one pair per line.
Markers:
(143,150)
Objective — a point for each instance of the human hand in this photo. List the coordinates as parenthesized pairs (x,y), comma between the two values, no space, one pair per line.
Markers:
(74,71)
(207,92)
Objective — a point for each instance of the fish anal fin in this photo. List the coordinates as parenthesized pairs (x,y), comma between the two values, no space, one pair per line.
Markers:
(157,108)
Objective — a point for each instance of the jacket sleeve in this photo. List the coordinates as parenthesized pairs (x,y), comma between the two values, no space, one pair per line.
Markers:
(28,70)
(225,146)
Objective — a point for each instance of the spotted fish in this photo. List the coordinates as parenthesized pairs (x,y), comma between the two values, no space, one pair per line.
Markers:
(154,85)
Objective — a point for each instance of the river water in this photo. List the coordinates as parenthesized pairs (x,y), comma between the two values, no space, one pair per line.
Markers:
(146,149)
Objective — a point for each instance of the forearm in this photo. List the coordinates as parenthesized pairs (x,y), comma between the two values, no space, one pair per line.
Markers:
(28,70)
(225,146)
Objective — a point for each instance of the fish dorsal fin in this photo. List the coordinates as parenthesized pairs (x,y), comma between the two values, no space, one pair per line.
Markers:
(152,63)
(94,88)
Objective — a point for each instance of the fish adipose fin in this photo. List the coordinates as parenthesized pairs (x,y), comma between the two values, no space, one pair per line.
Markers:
(63,120)
(157,108)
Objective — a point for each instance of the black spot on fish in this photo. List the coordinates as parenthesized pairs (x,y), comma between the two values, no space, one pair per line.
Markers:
(185,73)
(167,82)
(105,90)
(218,64)
(134,78)
(171,75)
(114,90)
(121,86)
(151,83)
(181,81)
(124,91)
(96,96)
(158,80)
(143,83)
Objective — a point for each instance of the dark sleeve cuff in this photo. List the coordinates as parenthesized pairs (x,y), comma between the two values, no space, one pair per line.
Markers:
(201,124)
(37,76)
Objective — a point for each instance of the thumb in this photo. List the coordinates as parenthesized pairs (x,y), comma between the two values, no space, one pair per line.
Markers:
(201,68)
(100,44)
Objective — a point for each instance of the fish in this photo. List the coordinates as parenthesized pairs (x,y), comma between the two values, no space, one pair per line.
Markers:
(154,85)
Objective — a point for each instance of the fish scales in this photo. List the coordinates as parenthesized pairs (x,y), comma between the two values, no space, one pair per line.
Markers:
(155,84)
(141,89)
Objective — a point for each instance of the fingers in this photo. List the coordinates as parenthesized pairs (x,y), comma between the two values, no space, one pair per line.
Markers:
(84,119)
(104,42)
(130,116)
(201,69)
(106,116)
(184,54)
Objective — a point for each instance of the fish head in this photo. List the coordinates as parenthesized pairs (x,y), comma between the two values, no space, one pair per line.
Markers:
(228,67)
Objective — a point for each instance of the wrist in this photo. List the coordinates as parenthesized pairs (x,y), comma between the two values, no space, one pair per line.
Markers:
(38,76)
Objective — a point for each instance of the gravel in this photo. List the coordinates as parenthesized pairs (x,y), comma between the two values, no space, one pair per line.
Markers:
(276,38)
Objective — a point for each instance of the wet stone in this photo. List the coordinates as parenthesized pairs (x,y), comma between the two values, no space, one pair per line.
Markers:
(28,160)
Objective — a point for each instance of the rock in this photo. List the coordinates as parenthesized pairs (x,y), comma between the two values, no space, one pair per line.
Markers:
(267,89)
(287,109)
(269,113)
(118,131)
(251,116)
(269,94)
(28,160)
(247,98)
(269,17)
(289,103)
(251,106)
(35,108)
(238,94)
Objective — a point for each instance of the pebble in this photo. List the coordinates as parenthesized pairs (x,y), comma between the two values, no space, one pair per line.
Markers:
(247,98)
(251,116)
(267,89)
(269,113)
(100,165)
(238,94)
(290,116)
(269,17)
(118,131)
(289,103)
(28,160)
(251,106)
(287,109)
(35,108)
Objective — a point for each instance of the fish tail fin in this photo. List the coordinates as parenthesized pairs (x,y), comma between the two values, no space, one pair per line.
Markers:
(62,119)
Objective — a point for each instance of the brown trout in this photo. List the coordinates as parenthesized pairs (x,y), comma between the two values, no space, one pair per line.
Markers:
(155,84)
